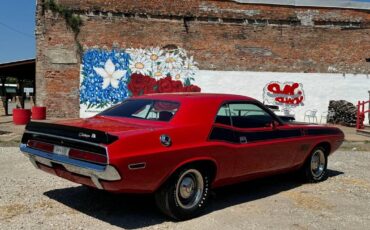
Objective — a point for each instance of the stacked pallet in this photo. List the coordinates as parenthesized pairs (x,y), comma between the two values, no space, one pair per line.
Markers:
(345,113)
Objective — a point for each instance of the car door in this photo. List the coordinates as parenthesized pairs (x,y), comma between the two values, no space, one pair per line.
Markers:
(262,143)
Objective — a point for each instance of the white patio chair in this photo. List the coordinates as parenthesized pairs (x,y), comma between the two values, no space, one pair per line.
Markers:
(310,114)
(327,115)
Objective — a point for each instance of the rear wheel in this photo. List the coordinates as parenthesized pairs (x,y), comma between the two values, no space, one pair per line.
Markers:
(185,195)
(315,168)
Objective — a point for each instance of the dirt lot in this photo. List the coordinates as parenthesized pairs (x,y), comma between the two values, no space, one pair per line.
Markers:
(31,199)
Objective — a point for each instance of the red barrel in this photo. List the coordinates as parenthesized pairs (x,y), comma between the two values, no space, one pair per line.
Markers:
(38,113)
(21,116)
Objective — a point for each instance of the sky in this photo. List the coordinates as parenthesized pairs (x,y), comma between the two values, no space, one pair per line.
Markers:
(17,29)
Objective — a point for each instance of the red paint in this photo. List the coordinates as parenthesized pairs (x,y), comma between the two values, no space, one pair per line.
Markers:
(142,85)
(87,156)
(361,114)
(21,116)
(288,89)
(290,101)
(38,113)
(189,130)
(46,147)
(290,94)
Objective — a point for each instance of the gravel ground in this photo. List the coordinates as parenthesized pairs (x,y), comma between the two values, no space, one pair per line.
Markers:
(31,199)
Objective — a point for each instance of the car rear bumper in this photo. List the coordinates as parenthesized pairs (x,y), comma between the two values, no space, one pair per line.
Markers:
(71,166)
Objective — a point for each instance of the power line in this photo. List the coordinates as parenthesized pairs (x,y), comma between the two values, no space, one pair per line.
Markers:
(15,30)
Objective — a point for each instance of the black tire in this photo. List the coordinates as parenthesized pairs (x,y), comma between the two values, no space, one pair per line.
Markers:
(315,167)
(170,197)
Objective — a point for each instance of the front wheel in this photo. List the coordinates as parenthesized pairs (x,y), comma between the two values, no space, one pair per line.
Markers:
(185,195)
(315,168)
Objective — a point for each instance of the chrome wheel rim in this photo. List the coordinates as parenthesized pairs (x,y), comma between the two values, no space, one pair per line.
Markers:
(189,189)
(318,162)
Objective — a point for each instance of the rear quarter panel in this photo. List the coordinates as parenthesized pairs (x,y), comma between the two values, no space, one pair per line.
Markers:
(315,136)
(188,144)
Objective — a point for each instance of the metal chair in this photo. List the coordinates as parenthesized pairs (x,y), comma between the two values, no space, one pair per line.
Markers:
(328,115)
(310,114)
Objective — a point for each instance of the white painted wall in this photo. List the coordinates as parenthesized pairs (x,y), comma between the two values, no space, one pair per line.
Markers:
(318,88)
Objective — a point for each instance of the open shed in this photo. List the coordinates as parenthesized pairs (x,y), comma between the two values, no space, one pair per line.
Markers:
(24,72)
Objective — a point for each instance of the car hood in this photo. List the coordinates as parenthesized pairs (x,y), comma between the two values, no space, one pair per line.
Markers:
(110,124)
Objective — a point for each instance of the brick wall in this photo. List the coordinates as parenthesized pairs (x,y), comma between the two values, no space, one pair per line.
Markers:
(222,35)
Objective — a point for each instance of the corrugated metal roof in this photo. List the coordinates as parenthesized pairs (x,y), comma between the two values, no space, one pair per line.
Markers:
(354,4)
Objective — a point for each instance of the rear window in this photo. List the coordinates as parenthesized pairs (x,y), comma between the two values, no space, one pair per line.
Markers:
(144,109)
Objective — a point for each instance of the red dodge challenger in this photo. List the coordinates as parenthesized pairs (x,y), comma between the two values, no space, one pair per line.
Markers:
(179,146)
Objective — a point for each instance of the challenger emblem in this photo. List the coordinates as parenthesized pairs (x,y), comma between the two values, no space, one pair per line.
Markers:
(85,135)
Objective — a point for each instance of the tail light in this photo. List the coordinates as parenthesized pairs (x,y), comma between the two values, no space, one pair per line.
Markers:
(72,153)
(87,156)
(40,145)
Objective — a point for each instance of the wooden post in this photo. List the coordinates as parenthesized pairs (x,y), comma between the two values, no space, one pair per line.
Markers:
(18,101)
(4,99)
(358,115)
(32,101)
(3,108)
(20,92)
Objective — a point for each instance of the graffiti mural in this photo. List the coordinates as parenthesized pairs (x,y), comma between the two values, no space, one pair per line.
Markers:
(110,76)
(287,94)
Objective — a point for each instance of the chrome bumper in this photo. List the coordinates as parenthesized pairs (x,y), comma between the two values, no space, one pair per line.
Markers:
(95,172)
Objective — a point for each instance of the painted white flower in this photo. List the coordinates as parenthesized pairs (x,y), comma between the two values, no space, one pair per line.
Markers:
(190,67)
(140,64)
(158,73)
(177,75)
(182,52)
(155,54)
(110,75)
(171,61)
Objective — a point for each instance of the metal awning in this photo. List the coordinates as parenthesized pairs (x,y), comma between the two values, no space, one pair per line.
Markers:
(23,70)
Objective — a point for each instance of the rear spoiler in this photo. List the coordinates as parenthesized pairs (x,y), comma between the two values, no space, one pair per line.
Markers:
(89,135)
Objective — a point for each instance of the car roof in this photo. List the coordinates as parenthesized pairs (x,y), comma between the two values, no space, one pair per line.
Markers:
(195,107)
(194,96)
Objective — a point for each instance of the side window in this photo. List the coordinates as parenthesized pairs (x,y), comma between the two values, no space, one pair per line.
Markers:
(223,115)
(246,115)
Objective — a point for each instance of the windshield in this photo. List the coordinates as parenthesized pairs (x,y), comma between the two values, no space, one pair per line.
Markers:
(144,109)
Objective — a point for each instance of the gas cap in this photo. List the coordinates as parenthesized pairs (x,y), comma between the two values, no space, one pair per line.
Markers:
(165,140)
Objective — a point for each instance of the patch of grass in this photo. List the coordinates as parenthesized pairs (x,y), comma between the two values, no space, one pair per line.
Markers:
(11,143)
(4,132)
(73,20)
(355,146)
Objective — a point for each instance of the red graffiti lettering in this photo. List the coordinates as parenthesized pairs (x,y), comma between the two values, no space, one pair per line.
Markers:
(286,93)
(274,88)
(288,89)
(290,101)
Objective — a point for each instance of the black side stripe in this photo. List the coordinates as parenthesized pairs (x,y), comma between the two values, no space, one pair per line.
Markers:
(317,132)
(228,135)
(224,134)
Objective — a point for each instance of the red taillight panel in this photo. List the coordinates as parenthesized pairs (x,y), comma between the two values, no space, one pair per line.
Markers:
(73,153)
(40,145)
(87,156)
